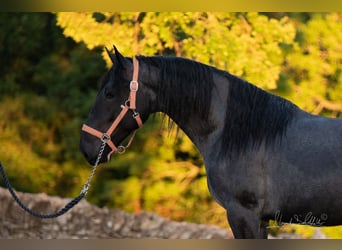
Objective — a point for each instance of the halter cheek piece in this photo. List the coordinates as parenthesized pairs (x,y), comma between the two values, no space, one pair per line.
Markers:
(130,104)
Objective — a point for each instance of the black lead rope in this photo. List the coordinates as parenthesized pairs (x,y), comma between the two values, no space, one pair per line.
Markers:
(68,206)
(62,211)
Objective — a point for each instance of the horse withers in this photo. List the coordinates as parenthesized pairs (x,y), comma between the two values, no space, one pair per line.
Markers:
(265,158)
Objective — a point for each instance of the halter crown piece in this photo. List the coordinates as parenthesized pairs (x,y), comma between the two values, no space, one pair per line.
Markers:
(130,104)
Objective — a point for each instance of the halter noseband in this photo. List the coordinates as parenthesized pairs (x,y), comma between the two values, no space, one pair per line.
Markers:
(130,104)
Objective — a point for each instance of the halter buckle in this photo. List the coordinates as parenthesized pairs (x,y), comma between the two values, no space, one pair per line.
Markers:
(134,86)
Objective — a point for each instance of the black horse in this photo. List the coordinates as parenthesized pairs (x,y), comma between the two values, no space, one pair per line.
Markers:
(265,158)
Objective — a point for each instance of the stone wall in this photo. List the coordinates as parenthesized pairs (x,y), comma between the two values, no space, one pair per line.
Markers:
(88,221)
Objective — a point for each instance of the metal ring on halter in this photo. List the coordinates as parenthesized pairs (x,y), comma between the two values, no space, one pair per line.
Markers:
(121,149)
(126,104)
(105,138)
(135,113)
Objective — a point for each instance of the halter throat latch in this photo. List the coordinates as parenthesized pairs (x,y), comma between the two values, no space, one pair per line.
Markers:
(130,105)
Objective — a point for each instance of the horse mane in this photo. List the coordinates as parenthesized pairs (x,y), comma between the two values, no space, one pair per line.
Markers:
(253,116)
(186,88)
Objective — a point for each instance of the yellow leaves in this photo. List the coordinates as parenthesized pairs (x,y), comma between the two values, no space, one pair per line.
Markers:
(82,27)
(257,44)
(78,25)
(247,45)
(313,65)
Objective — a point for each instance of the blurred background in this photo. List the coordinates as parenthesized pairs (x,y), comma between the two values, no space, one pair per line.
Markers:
(51,66)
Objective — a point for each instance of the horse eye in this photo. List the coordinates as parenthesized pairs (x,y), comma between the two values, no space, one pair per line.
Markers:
(109,94)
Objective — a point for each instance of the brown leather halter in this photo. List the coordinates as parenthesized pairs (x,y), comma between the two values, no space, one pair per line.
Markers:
(130,104)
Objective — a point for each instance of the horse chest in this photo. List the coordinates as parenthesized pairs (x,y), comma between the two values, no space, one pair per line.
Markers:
(242,181)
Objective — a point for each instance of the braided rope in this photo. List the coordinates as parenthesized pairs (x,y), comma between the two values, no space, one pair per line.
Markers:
(68,206)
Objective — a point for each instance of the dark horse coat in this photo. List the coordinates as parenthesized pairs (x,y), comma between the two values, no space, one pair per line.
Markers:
(265,158)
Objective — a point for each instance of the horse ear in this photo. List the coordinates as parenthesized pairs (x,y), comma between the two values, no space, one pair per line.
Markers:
(125,63)
(111,55)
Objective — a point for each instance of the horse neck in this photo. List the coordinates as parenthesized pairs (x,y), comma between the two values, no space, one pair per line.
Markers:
(225,101)
(203,133)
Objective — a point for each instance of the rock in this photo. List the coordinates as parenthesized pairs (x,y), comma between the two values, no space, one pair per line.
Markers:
(318,234)
(88,221)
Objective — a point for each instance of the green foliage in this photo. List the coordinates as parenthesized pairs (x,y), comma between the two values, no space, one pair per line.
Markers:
(50,76)
(48,84)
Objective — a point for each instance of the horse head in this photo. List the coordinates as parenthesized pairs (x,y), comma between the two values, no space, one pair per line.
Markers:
(120,108)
